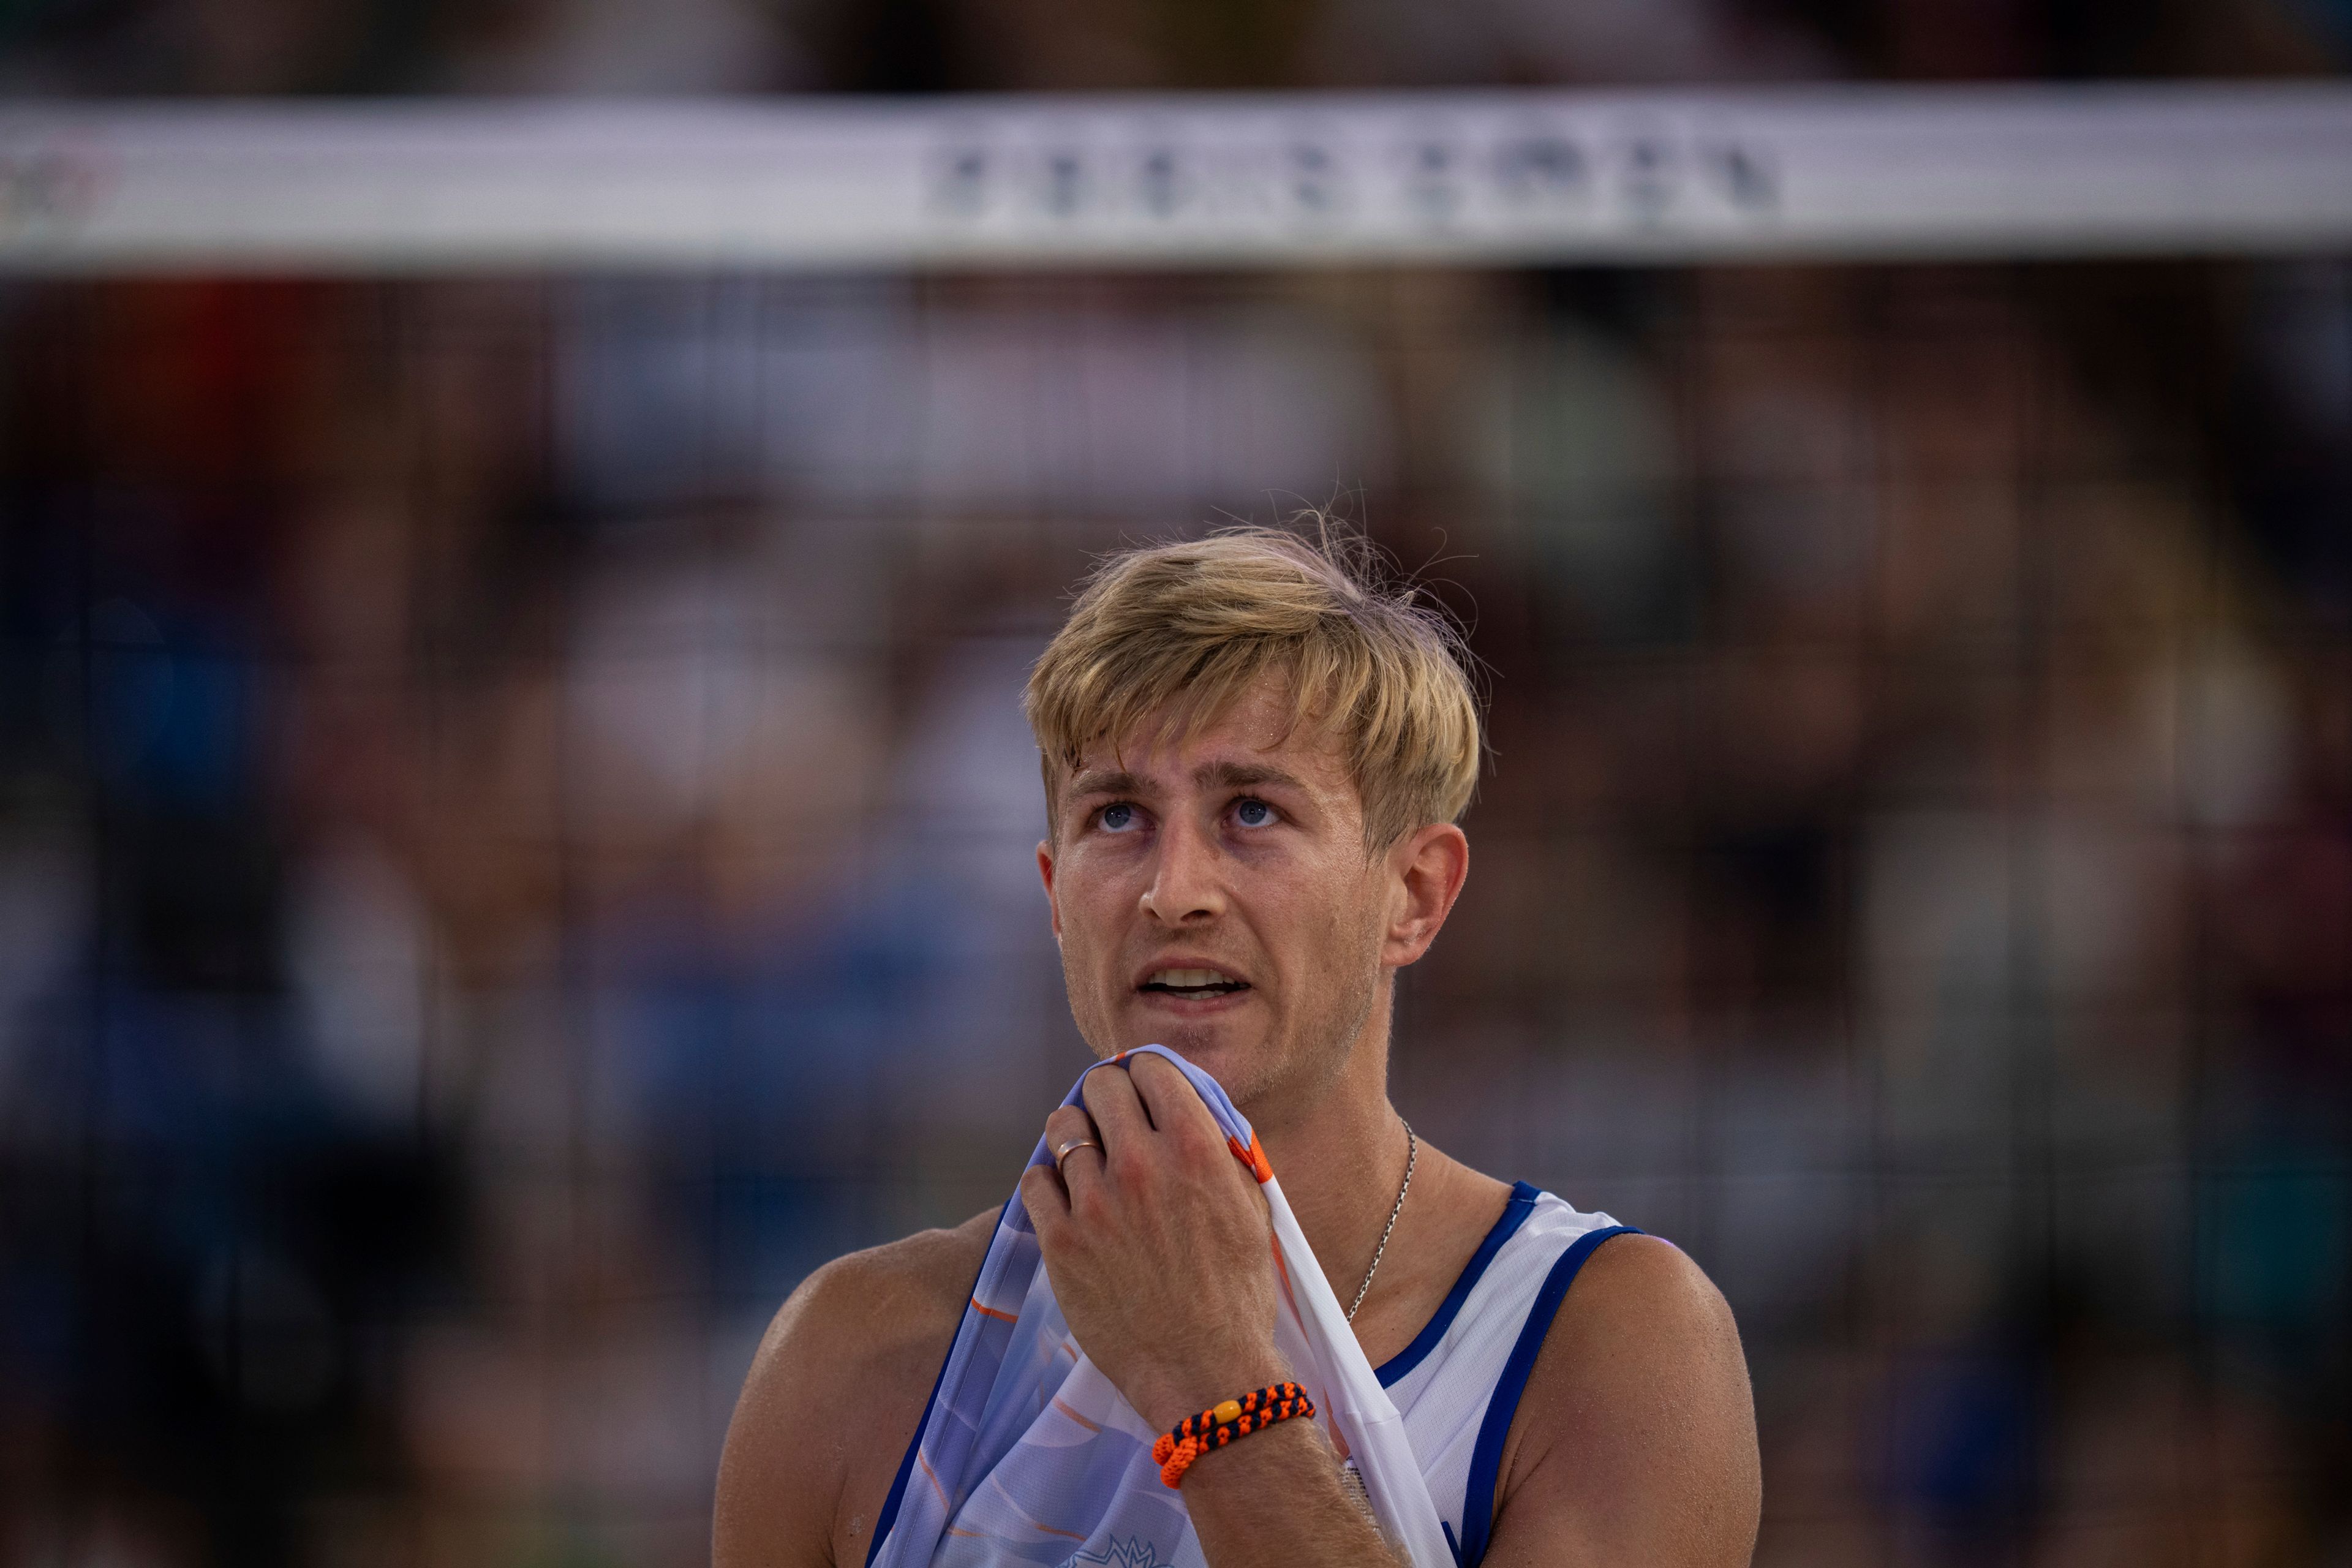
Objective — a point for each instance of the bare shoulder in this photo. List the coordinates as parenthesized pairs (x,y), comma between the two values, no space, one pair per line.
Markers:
(866,1333)
(1635,1440)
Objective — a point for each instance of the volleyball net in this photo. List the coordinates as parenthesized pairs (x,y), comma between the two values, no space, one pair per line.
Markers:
(1510,178)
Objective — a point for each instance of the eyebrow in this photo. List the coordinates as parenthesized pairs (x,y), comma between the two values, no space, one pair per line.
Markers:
(1240,776)
(1108,781)
(1232,775)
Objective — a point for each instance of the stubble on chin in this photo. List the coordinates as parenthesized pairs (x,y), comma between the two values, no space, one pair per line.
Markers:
(1189,1040)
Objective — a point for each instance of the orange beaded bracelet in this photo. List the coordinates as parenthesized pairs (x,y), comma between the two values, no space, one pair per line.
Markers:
(1220,1423)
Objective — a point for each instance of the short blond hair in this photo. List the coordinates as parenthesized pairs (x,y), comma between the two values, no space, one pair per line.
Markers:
(1170,636)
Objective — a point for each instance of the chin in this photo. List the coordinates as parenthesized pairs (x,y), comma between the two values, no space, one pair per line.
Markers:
(1203,1044)
(1194,1043)
(1226,1048)
(1240,1070)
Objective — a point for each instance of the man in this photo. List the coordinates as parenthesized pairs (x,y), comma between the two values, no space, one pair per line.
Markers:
(1254,757)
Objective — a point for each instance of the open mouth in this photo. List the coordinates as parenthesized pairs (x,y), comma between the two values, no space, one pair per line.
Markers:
(1193,983)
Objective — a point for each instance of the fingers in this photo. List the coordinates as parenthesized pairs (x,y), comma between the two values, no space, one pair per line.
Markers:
(1068,1121)
(1169,1097)
(1045,1190)
(1067,1126)
(1119,1118)
(1042,1195)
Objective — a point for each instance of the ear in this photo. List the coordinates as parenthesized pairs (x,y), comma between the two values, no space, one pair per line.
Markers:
(1426,870)
(1046,872)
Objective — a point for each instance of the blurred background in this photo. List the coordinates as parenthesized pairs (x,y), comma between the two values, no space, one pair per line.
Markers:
(516,825)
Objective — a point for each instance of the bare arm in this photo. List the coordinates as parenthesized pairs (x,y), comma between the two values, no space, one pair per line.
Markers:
(1275,1501)
(776,1504)
(1635,1441)
(833,1399)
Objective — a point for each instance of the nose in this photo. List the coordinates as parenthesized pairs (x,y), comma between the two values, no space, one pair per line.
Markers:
(1187,885)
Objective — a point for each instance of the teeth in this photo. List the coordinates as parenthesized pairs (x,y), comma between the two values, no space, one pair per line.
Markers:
(1189,978)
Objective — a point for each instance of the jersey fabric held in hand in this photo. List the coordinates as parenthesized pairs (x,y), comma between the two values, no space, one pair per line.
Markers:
(1028,1455)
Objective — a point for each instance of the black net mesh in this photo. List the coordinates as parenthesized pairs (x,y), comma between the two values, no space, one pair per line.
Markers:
(518,838)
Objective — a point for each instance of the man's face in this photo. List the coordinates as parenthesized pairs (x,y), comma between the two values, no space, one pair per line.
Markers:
(1215,897)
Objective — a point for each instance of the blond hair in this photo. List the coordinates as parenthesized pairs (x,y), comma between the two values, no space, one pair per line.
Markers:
(1171,636)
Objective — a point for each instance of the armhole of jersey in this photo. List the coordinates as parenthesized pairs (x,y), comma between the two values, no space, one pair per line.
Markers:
(1515,1215)
(1487,1458)
(887,1519)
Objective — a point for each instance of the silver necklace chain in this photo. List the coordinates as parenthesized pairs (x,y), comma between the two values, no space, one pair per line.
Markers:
(1411,1153)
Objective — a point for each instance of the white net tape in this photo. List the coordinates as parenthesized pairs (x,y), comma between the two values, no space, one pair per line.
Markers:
(1502,177)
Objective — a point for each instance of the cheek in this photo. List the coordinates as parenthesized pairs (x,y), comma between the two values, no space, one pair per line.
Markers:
(1086,980)
(1090,897)
(1336,925)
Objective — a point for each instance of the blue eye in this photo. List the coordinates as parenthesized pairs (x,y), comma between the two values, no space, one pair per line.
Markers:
(1252,814)
(1116,817)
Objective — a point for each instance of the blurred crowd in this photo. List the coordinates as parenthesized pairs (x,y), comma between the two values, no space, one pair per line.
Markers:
(410,46)
(516,826)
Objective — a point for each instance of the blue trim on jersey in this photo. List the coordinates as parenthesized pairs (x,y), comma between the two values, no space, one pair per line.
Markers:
(890,1515)
(1487,1458)
(1515,1215)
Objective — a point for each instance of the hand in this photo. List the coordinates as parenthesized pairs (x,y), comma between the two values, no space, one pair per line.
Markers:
(1158,1244)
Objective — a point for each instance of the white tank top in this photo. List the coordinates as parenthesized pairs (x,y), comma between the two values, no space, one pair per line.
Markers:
(1456,1385)
(1459,1384)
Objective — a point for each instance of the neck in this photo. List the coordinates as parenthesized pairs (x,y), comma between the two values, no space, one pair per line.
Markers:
(1338,1148)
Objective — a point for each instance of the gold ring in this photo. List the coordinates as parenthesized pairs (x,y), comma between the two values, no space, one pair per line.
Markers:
(1063,1153)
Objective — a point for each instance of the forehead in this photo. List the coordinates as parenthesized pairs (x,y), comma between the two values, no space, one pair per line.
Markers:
(1260,728)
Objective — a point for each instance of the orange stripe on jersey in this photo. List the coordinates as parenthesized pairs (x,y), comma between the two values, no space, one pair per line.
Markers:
(992,1312)
(1253,1156)
(932,1476)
